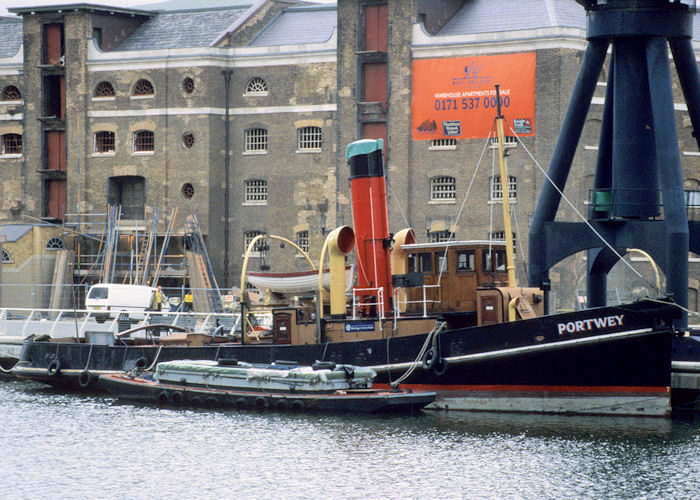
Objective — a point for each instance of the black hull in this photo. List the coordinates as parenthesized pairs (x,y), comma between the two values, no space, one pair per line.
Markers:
(351,401)
(524,366)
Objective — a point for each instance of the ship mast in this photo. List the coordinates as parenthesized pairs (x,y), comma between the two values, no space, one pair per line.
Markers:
(505,193)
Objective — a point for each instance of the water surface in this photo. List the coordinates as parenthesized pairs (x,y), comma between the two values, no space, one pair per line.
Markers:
(58,445)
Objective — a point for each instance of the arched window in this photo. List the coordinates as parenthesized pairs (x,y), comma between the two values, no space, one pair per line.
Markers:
(497,190)
(104,142)
(55,243)
(104,89)
(143,88)
(11,93)
(309,139)
(144,141)
(442,188)
(255,140)
(11,144)
(256,192)
(256,86)
(6,256)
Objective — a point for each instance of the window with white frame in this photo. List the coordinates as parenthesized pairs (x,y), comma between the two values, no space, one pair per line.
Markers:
(497,189)
(440,236)
(501,236)
(303,240)
(256,86)
(256,140)
(11,144)
(248,238)
(144,141)
(55,243)
(437,144)
(443,188)
(104,142)
(255,192)
(309,139)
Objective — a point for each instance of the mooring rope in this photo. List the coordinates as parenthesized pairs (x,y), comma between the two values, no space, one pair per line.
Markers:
(430,339)
(160,347)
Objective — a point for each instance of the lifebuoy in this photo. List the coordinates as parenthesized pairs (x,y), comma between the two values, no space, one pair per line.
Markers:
(429,358)
(54,368)
(84,379)
(141,363)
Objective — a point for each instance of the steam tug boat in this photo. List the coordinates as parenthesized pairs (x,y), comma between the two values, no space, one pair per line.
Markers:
(444,317)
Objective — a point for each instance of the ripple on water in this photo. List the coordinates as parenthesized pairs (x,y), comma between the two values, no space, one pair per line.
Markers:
(56,445)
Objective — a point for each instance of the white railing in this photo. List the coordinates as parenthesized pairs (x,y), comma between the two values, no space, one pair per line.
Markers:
(359,293)
(424,300)
(65,323)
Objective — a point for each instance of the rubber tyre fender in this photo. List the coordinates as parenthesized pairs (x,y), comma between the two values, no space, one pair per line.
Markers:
(260,403)
(241,403)
(85,379)
(281,405)
(297,405)
(440,367)
(211,401)
(141,363)
(429,358)
(163,397)
(197,401)
(177,397)
(54,368)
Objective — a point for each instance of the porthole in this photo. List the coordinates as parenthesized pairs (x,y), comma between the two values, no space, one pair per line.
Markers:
(188,85)
(188,139)
(187,190)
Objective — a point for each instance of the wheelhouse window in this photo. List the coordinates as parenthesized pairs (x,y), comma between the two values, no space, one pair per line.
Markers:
(442,189)
(497,188)
(309,139)
(11,93)
(465,261)
(256,86)
(11,144)
(104,89)
(425,262)
(143,88)
(104,142)
(256,140)
(144,141)
(256,192)
(303,240)
(495,256)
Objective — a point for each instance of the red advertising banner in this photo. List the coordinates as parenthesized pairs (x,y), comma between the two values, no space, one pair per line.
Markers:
(456,97)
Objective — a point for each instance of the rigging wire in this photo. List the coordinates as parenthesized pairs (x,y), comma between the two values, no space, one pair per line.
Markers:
(590,226)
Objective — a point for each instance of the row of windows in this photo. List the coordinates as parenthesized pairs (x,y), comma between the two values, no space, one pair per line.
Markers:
(308,139)
(423,262)
(54,243)
(450,143)
(144,87)
(444,188)
(302,240)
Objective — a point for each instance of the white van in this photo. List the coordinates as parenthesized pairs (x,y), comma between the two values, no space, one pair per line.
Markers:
(114,297)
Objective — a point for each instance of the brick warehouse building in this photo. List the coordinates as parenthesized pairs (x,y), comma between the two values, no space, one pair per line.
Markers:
(111,105)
